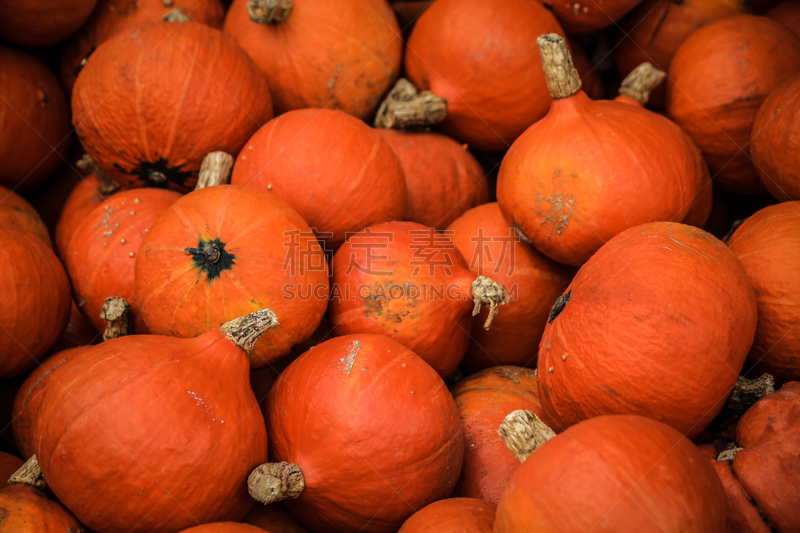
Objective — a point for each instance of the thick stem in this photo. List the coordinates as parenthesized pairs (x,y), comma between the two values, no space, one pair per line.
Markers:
(269,11)
(29,474)
(522,432)
(405,107)
(746,392)
(273,482)
(176,15)
(641,82)
(728,452)
(245,330)
(559,72)
(117,312)
(107,185)
(486,291)
(215,170)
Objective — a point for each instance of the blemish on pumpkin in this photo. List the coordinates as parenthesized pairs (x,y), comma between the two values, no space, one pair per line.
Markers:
(350,360)
(562,205)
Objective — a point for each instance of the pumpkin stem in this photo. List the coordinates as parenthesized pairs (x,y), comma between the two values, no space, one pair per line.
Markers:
(245,330)
(728,452)
(522,432)
(107,185)
(562,79)
(641,81)
(117,312)
(486,291)
(746,392)
(176,15)
(405,107)
(30,475)
(215,170)
(269,11)
(273,482)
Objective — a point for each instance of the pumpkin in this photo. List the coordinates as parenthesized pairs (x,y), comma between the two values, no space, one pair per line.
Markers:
(111,17)
(102,252)
(41,22)
(274,518)
(35,312)
(656,28)
(573,180)
(492,248)
(225,251)
(620,473)
(9,464)
(336,171)
(110,400)
(476,55)
(443,179)
(15,211)
(27,510)
(34,116)
(788,14)
(152,102)
(718,79)
(454,515)
(305,51)
(224,527)
(775,142)
(483,401)
(332,412)
(768,246)
(408,282)
(657,323)
(590,16)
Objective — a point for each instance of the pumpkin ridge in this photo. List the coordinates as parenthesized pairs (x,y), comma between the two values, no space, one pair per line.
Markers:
(181,101)
(751,499)
(211,258)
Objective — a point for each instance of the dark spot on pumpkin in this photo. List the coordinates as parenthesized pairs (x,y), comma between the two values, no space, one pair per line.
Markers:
(561,302)
(159,174)
(211,257)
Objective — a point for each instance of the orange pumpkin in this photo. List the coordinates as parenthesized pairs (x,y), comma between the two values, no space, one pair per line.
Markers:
(15,211)
(42,22)
(454,515)
(589,16)
(788,14)
(34,117)
(333,169)
(657,323)
(111,17)
(718,79)
(9,464)
(85,196)
(26,510)
(151,103)
(476,55)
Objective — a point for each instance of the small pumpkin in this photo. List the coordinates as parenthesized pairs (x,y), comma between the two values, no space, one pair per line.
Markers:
(17,212)
(9,464)
(454,515)
(587,17)
(42,22)
(788,14)
(27,510)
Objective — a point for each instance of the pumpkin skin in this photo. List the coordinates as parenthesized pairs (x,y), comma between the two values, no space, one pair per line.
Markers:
(327,415)
(590,16)
(484,400)
(656,28)
(111,399)
(34,118)
(15,211)
(454,515)
(111,17)
(35,313)
(658,314)
(274,518)
(170,260)
(443,179)
(147,115)
(373,265)
(476,54)
(310,62)
(26,510)
(480,235)
(776,139)
(629,473)
(223,527)
(333,169)
(768,246)
(574,179)
(8,465)
(42,22)
(718,79)
(788,14)
(102,253)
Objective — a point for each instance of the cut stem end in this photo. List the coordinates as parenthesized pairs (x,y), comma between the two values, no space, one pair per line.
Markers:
(405,107)
(641,82)
(269,11)
(273,482)
(486,291)
(246,330)
(117,312)
(215,170)
(523,432)
(746,392)
(562,79)
(30,475)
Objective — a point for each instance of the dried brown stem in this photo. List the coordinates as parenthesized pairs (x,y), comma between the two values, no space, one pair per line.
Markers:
(215,170)
(176,15)
(107,185)
(641,82)
(728,452)
(405,107)
(559,72)
(29,474)
(117,312)
(746,392)
(486,291)
(522,432)
(245,330)
(273,482)
(269,11)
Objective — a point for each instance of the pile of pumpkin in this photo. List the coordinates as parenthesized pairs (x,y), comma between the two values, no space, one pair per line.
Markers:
(278,272)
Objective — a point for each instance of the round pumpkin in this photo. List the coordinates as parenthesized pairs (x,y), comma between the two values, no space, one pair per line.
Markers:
(476,54)
(454,515)
(16,211)
(656,28)
(274,518)
(42,22)
(310,58)
(775,143)
(26,510)
(788,14)
(152,102)
(718,79)
(620,473)
(574,179)
(332,412)
(587,17)
(225,251)
(8,465)
(768,246)
(174,419)
(34,117)
(657,323)
(492,248)
(443,179)
(111,17)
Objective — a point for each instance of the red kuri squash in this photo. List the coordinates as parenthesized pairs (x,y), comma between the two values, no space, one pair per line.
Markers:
(27,510)
(454,515)
(589,16)
(85,196)
(41,22)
